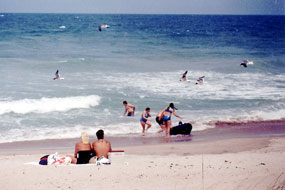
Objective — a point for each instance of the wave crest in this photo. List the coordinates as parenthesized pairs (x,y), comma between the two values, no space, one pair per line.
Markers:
(45,105)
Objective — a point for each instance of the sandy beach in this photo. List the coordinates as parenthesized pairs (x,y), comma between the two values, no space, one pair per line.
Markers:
(237,163)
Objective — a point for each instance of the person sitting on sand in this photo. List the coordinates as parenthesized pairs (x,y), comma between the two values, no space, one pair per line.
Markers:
(144,120)
(166,117)
(159,120)
(101,147)
(83,151)
(129,108)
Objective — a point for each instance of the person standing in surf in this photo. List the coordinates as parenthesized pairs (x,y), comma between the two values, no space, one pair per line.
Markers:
(166,117)
(159,120)
(144,120)
(129,108)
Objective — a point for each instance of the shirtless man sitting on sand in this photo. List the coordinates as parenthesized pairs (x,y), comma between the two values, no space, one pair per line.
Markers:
(101,147)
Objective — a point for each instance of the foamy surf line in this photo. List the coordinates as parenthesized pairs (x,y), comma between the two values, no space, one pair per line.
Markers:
(130,129)
(46,105)
(224,130)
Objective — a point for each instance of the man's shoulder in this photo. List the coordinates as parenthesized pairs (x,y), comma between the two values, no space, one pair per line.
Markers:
(99,141)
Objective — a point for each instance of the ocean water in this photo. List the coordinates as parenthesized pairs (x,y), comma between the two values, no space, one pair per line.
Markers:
(140,58)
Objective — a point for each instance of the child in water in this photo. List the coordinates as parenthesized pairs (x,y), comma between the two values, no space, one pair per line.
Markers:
(144,120)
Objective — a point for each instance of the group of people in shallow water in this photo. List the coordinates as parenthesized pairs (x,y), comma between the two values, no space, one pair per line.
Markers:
(163,118)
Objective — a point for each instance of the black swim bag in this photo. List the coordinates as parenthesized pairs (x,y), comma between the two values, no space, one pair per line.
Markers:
(44,160)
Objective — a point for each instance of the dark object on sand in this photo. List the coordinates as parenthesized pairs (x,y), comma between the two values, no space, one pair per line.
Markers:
(44,160)
(183,129)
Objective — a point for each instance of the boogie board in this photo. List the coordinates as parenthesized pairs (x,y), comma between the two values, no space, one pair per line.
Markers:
(183,129)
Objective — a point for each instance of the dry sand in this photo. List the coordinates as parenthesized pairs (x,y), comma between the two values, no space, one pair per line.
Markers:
(230,164)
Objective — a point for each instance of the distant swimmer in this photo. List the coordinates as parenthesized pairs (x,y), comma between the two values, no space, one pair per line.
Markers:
(245,63)
(103,26)
(184,78)
(129,108)
(200,80)
(57,76)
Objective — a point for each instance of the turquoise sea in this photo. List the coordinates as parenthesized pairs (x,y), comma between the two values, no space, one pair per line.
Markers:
(139,58)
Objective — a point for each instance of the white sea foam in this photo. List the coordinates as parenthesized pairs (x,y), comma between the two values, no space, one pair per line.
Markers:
(217,86)
(45,105)
(200,122)
(63,132)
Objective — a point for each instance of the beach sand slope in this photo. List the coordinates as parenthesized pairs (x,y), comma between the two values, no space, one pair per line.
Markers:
(255,164)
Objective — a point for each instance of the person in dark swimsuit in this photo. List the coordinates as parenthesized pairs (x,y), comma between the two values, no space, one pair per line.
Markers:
(83,156)
(159,120)
(83,150)
(144,120)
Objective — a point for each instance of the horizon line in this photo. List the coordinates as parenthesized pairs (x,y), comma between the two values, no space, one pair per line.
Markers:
(226,14)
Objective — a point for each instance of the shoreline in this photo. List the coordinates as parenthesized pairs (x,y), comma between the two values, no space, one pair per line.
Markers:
(222,130)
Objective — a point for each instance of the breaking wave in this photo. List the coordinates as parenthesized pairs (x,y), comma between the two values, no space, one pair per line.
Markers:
(46,105)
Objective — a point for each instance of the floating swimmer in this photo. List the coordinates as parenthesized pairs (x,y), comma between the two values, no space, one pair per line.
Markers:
(57,76)
(200,80)
(103,26)
(184,78)
(245,63)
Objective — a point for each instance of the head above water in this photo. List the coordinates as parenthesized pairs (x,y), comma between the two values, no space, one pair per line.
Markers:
(100,134)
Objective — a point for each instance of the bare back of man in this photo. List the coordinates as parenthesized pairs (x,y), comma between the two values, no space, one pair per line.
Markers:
(101,147)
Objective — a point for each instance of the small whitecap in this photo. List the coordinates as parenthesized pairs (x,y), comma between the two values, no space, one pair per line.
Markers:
(62,27)
(62,61)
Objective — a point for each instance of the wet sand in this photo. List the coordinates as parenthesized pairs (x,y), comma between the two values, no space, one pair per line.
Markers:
(222,130)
